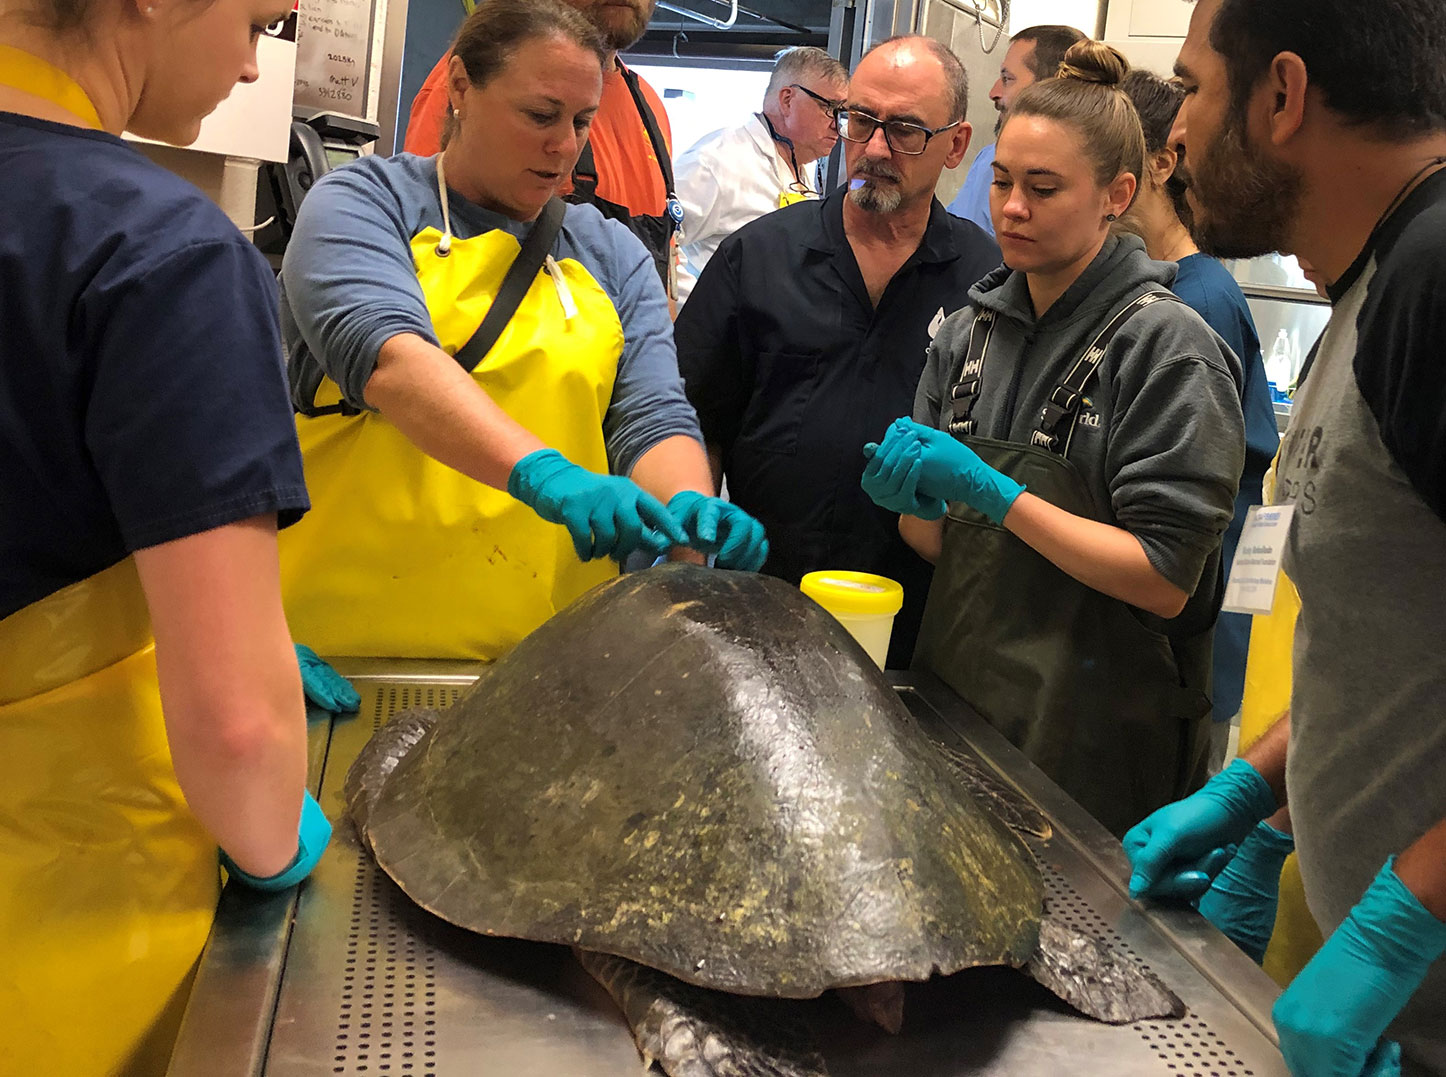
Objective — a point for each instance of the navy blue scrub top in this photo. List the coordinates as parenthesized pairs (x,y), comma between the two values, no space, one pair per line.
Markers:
(142,393)
(1213,293)
(791,370)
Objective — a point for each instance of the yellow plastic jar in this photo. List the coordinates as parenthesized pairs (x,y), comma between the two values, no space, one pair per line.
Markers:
(863,603)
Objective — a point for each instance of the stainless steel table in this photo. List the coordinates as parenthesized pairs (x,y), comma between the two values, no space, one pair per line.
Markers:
(348,977)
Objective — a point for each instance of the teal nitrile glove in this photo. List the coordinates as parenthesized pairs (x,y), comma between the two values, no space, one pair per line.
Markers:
(1333,1014)
(324,686)
(891,479)
(1178,849)
(606,516)
(952,471)
(1385,1060)
(720,528)
(313,834)
(1241,901)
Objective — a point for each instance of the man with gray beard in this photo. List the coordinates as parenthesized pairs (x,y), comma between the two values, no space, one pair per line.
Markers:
(806,333)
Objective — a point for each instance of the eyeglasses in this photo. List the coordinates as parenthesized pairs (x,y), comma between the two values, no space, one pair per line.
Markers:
(828,104)
(900,135)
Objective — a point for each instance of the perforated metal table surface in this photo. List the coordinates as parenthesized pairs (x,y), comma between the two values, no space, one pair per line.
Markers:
(348,977)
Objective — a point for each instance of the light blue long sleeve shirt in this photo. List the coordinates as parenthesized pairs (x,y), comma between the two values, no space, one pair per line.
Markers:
(348,285)
(972,201)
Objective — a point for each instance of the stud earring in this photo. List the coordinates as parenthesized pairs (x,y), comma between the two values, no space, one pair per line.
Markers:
(1110,217)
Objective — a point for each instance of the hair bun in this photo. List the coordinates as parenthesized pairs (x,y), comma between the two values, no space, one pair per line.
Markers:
(1094,61)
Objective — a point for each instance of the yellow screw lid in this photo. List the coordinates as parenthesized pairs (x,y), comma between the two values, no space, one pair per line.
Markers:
(841,591)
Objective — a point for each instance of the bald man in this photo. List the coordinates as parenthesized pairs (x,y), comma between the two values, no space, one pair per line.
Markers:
(806,332)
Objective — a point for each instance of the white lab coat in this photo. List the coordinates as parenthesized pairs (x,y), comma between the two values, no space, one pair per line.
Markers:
(725,180)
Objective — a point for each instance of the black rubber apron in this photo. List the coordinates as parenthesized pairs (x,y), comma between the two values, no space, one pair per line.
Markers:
(1112,711)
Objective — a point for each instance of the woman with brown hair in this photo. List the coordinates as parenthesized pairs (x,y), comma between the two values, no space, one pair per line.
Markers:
(1071,463)
(471,487)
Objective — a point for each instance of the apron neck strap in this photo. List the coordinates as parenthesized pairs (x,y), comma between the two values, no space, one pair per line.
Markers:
(30,74)
(965,393)
(1056,422)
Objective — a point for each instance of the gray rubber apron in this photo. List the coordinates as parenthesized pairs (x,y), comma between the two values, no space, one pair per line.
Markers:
(1113,712)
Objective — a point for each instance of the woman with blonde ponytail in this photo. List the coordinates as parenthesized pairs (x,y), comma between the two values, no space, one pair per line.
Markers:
(151,707)
(1070,466)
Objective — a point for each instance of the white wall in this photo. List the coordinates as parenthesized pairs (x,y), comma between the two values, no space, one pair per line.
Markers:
(705,99)
(1148,32)
(1083,15)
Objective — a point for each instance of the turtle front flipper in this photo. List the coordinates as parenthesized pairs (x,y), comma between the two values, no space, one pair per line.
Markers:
(379,757)
(1096,981)
(1010,805)
(694,1032)
(877,1004)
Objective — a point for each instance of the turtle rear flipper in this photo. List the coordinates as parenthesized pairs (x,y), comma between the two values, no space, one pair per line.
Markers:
(1096,981)
(695,1032)
(379,757)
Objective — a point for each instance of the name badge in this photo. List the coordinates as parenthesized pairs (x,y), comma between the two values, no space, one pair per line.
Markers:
(1251,587)
(788,198)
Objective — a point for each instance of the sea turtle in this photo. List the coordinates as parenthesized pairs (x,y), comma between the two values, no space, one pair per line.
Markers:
(700,781)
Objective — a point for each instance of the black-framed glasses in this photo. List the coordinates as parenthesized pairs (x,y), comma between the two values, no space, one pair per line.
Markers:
(828,104)
(901,136)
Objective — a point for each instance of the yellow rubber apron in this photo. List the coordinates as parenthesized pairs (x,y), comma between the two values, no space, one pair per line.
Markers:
(1267,695)
(402,556)
(108,884)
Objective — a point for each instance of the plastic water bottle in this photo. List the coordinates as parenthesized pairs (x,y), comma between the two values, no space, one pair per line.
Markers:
(1280,366)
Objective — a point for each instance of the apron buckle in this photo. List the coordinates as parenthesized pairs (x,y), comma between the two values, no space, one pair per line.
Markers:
(966,388)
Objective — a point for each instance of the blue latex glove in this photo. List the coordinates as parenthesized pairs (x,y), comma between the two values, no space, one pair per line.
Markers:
(324,686)
(950,470)
(1176,851)
(892,481)
(718,527)
(1385,1060)
(313,834)
(606,516)
(1333,1014)
(1241,902)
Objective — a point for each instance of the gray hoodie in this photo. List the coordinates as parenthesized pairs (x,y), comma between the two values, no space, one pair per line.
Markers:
(1160,438)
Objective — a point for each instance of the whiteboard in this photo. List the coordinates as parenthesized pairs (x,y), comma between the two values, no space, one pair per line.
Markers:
(334,55)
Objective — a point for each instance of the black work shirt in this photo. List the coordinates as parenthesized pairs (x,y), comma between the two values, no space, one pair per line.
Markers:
(792,369)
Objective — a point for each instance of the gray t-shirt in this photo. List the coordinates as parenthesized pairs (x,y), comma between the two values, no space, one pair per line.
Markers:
(1364,463)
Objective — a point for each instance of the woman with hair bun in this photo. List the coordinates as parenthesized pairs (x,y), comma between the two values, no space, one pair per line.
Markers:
(1070,466)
